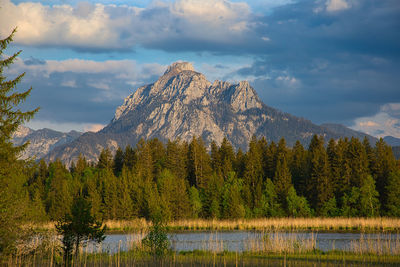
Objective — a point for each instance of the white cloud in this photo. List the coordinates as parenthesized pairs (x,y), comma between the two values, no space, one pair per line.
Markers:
(127,70)
(93,127)
(288,81)
(381,124)
(368,124)
(98,26)
(336,5)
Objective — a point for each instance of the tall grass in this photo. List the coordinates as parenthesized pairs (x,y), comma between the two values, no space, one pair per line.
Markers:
(266,224)
(271,224)
(265,246)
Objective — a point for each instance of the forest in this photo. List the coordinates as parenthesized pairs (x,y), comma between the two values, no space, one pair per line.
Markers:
(348,177)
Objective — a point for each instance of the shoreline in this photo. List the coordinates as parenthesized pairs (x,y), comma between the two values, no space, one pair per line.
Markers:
(345,225)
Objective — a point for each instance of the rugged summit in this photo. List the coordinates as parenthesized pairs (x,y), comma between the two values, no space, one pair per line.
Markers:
(182,103)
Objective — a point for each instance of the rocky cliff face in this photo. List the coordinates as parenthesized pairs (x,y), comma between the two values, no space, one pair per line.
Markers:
(183,103)
(42,141)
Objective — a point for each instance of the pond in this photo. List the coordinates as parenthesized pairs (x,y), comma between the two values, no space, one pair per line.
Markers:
(240,241)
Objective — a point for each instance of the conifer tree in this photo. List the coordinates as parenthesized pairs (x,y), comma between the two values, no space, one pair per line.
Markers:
(12,179)
(298,167)
(383,164)
(393,194)
(118,161)
(130,157)
(144,164)
(282,179)
(125,203)
(253,176)
(158,155)
(81,165)
(358,159)
(60,195)
(105,161)
(199,163)
(176,158)
(215,158)
(227,158)
(320,183)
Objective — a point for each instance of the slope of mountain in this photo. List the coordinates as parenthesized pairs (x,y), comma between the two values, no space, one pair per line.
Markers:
(396,152)
(182,103)
(41,141)
(343,131)
(392,141)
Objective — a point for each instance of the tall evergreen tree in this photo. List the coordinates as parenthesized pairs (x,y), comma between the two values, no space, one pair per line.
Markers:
(176,158)
(320,182)
(298,167)
(118,161)
(393,194)
(227,158)
(60,195)
(282,179)
(199,163)
(12,179)
(253,176)
(383,164)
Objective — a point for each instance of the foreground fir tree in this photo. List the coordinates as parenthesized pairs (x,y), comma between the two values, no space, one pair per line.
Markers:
(78,228)
(12,194)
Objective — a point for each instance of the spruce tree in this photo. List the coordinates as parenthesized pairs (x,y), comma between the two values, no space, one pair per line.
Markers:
(12,179)
(393,194)
(383,164)
(282,179)
(199,164)
(298,167)
(253,176)
(227,157)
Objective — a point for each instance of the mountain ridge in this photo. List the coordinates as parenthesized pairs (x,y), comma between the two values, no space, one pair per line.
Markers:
(41,141)
(181,104)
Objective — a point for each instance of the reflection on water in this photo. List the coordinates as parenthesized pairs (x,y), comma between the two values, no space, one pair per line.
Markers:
(247,240)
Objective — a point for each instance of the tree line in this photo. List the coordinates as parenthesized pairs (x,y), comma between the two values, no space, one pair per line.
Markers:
(180,180)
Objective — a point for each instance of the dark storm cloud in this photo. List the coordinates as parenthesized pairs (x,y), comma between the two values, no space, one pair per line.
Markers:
(330,66)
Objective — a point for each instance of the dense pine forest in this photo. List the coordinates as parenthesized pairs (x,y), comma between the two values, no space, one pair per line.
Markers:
(348,178)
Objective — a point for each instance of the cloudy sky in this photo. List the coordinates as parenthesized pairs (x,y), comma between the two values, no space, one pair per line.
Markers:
(326,60)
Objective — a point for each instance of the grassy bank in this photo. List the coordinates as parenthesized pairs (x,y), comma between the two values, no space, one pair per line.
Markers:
(268,248)
(207,258)
(264,224)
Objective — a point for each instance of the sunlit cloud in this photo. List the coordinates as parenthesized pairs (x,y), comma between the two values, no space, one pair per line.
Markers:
(101,27)
(337,5)
(382,124)
(93,127)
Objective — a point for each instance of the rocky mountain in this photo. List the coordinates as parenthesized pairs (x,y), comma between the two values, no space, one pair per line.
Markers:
(41,141)
(182,103)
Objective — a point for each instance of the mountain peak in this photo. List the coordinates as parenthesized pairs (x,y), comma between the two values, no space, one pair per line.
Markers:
(178,67)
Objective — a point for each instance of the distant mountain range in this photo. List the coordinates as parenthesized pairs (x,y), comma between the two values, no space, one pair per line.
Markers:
(392,141)
(41,141)
(182,103)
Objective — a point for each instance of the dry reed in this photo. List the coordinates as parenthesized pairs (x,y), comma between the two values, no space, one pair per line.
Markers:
(262,224)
